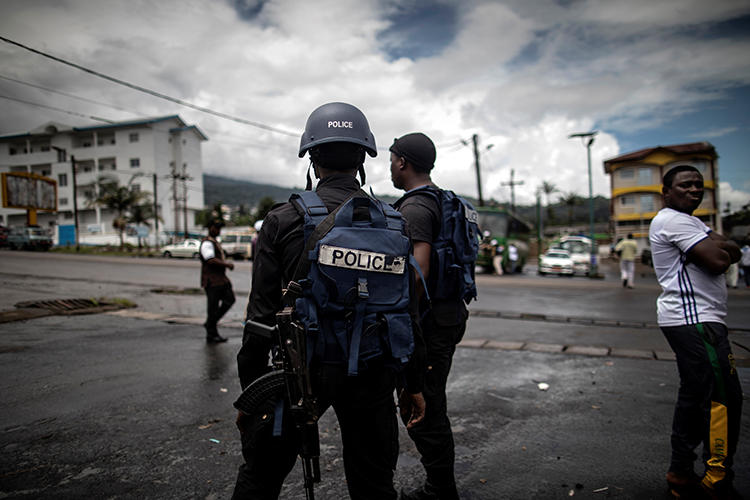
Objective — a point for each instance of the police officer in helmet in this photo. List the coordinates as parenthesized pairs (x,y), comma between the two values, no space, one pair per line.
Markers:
(337,137)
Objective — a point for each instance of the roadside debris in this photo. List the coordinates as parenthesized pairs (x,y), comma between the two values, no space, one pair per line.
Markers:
(543,386)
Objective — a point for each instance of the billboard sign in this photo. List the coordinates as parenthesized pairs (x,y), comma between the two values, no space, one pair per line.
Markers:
(29,191)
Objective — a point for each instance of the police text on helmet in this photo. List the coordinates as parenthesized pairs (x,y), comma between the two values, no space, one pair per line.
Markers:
(340,124)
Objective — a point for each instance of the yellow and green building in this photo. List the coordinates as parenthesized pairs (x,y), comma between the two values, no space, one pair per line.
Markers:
(635,180)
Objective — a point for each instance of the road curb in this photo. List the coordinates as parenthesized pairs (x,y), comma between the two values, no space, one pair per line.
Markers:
(469,343)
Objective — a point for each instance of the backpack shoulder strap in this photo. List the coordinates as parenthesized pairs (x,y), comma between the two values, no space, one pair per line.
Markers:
(321,224)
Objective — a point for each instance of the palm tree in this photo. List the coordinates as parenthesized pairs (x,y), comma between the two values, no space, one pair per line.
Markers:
(549,188)
(120,199)
(570,199)
(141,214)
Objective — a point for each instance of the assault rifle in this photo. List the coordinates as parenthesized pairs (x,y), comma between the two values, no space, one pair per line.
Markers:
(291,375)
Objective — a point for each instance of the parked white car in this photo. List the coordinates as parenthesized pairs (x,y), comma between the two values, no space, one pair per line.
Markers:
(188,248)
(556,261)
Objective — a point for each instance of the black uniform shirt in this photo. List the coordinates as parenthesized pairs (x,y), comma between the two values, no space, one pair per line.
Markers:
(279,247)
(422,215)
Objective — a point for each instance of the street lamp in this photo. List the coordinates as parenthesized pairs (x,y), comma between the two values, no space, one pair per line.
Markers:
(62,154)
(593,271)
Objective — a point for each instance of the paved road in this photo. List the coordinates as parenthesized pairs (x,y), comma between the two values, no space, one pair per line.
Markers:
(123,406)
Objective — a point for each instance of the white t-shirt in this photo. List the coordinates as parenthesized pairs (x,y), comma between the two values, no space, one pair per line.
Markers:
(207,250)
(689,294)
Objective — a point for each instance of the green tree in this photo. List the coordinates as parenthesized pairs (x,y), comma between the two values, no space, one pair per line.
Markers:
(548,189)
(205,216)
(120,199)
(571,200)
(264,206)
(142,215)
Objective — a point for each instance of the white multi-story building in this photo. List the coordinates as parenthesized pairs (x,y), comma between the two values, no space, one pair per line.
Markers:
(160,154)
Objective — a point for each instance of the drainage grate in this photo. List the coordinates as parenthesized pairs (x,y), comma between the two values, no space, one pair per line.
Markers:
(67,307)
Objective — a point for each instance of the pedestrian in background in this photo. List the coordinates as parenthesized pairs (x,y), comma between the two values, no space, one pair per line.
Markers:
(745,264)
(690,261)
(337,136)
(444,317)
(733,273)
(627,249)
(214,280)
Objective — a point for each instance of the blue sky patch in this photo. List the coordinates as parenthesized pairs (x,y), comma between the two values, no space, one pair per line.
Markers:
(419,30)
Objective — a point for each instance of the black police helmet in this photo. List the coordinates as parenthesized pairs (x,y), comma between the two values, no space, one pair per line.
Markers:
(337,122)
(418,150)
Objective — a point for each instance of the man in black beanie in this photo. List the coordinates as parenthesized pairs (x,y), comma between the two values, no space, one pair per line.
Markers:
(443,324)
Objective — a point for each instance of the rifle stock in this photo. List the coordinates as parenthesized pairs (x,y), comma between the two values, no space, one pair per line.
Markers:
(292,341)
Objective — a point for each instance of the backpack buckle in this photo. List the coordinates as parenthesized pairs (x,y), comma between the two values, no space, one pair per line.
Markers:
(362,288)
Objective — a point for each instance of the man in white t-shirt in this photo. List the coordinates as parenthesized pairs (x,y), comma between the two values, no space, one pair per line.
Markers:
(689,260)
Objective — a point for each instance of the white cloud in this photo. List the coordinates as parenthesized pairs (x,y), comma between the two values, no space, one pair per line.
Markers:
(521,75)
(735,197)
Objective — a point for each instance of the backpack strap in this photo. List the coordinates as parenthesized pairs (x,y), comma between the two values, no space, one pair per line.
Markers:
(322,228)
(311,207)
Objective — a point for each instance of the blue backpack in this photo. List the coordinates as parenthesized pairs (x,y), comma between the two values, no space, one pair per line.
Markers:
(454,251)
(354,303)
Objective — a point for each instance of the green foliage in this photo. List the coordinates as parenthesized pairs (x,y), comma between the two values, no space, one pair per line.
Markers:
(122,200)
(264,206)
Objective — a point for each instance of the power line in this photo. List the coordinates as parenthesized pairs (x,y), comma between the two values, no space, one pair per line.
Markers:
(56,109)
(46,89)
(154,93)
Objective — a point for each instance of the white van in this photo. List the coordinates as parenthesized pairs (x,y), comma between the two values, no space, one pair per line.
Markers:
(237,244)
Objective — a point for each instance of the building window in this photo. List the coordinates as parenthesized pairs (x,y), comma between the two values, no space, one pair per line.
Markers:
(135,162)
(136,188)
(133,137)
(63,201)
(68,215)
(87,168)
(644,176)
(647,203)
(626,200)
(627,173)
(62,180)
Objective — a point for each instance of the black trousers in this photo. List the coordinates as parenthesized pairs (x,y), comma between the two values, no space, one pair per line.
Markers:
(709,401)
(369,432)
(443,328)
(219,300)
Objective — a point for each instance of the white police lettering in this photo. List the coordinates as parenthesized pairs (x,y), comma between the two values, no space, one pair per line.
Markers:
(340,124)
(351,258)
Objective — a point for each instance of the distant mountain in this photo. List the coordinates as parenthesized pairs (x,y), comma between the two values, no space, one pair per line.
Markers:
(235,192)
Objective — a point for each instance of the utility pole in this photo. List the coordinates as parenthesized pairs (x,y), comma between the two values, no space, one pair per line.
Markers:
(184,178)
(475,139)
(593,271)
(75,200)
(175,200)
(539,229)
(512,185)
(156,215)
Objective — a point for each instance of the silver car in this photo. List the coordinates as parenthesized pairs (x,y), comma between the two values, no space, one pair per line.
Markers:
(189,248)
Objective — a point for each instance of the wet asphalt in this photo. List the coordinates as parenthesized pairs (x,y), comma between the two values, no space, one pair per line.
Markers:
(134,404)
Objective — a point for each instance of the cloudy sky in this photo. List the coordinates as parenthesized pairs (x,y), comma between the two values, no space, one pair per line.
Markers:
(521,75)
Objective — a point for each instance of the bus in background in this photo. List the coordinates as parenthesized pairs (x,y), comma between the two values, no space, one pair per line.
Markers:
(504,236)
